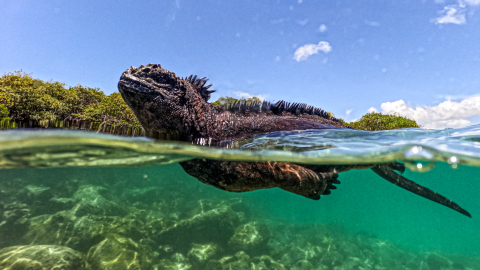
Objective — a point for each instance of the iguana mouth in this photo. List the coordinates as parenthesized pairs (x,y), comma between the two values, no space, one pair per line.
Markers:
(133,84)
(138,81)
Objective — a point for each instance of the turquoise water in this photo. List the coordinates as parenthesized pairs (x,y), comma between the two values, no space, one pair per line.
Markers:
(125,203)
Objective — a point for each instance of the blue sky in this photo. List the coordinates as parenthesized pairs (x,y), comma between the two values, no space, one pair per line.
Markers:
(417,58)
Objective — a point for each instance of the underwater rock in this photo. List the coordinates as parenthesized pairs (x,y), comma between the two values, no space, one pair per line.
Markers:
(119,253)
(242,261)
(188,233)
(289,246)
(38,194)
(34,193)
(165,251)
(383,253)
(214,265)
(146,195)
(177,262)
(200,254)
(435,261)
(351,250)
(204,205)
(92,202)
(41,200)
(61,229)
(332,259)
(251,237)
(266,262)
(216,225)
(361,263)
(64,228)
(61,204)
(41,257)
(239,261)
(278,245)
(13,191)
(303,251)
(236,204)
(305,265)
(14,223)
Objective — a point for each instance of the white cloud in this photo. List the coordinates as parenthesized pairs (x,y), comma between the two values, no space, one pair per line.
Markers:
(371,23)
(348,112)
(446,114)
(305,51)
(456,13)
(372,109)
(473,2)
(452,14)
(171,17)
(240,94)
(322,28)
(451,97)
(302,22)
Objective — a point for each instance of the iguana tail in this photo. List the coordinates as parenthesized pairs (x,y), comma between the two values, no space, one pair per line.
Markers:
(388,174)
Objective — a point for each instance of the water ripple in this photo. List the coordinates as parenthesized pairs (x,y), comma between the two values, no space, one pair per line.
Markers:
(415,147)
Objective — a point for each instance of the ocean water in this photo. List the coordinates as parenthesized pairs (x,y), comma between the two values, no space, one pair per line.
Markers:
(82,200)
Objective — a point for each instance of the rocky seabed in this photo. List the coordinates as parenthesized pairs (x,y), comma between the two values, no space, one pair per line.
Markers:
(90,224)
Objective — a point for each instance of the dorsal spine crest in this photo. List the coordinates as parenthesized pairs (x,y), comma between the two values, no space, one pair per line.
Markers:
(278,108)
(199,84)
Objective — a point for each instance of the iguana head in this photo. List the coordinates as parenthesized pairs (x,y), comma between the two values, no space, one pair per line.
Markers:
(163,102)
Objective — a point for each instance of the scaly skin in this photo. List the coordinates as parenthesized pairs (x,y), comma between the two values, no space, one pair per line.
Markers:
(173,108)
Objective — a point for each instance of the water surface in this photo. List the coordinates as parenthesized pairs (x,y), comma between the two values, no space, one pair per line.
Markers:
(52,178)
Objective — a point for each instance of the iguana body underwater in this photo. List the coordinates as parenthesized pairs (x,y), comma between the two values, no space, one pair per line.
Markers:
(174,108)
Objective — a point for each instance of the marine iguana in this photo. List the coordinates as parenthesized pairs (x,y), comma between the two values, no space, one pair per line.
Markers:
(174,108)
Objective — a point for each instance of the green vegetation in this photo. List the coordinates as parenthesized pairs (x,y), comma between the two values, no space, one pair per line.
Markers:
(4,101)
(377,121)
(28,100)
(3,112)
(111,109)
(24,99)
(230,100)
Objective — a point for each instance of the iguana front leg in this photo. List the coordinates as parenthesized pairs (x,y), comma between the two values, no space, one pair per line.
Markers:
(240,176)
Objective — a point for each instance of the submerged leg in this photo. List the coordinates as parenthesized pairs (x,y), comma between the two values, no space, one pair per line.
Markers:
(388,174)
(240,176)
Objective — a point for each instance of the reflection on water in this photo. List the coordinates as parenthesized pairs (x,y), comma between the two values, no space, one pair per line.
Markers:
(158,217)
(57,148)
